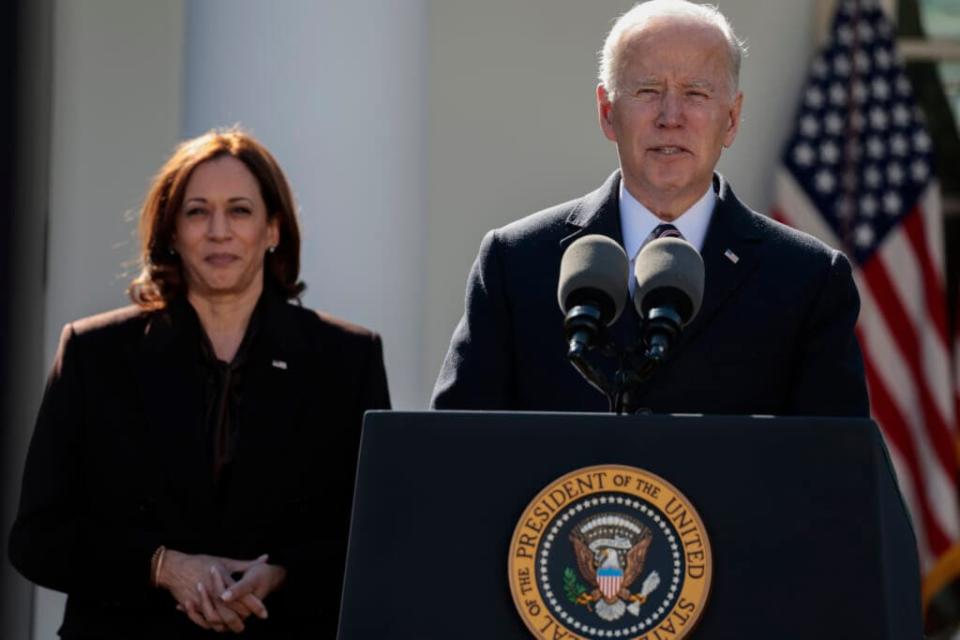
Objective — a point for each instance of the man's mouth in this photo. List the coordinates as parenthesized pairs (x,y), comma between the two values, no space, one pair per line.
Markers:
(668,150)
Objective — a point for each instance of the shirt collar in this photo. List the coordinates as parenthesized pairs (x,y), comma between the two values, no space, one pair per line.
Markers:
(637,221)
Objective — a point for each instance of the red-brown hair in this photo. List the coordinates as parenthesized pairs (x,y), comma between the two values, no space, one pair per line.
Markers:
(161,278)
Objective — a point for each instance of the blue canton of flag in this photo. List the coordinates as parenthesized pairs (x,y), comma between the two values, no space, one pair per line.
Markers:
(860,149)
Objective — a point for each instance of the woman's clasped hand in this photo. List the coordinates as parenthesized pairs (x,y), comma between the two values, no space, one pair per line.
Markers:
(219,593)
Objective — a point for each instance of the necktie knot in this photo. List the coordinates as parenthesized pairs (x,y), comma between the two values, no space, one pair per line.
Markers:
(665,231)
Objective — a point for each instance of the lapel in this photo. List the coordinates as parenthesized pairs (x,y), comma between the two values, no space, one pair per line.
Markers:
(598,212)
(171,388)
(273,395)
(732,234)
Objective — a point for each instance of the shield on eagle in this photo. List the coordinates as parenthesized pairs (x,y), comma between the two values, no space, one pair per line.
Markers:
(609,580)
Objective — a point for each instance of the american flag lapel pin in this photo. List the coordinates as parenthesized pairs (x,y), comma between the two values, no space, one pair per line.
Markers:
(731,256)
(280,364)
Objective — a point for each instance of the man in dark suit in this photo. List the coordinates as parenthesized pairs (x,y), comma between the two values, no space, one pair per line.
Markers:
(775,333)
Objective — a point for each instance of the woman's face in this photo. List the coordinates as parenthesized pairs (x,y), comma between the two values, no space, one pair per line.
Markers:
(223,231)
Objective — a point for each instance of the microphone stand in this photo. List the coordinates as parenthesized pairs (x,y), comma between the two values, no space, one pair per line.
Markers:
(577,355)
(661,329)
(636,367)
(636,364)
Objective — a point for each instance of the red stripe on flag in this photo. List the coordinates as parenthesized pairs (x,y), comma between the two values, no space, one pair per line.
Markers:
(933,289)
(903,332)
(895,428)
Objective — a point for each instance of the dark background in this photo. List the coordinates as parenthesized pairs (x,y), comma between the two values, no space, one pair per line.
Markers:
(9,99)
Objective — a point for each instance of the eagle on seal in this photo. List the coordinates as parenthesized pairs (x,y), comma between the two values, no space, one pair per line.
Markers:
(611,550)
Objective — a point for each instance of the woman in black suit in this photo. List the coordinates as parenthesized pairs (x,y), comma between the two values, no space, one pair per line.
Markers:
(192,465)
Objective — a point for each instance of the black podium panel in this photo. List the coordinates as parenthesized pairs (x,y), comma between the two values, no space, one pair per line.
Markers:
(809,534)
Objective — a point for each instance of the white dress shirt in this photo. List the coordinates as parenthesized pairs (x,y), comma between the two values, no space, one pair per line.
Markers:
(637,222)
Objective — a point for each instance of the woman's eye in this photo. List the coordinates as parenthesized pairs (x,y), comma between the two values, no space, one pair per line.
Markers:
(243,211)
(194,211)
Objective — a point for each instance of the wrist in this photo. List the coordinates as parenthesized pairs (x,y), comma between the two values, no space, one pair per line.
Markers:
(156,564)
(161,573)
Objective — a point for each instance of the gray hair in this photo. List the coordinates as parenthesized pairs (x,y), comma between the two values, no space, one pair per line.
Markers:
(643,11)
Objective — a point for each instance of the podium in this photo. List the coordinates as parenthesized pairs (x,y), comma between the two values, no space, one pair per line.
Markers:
(809,534)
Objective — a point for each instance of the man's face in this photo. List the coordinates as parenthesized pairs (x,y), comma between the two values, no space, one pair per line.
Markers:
(673,112)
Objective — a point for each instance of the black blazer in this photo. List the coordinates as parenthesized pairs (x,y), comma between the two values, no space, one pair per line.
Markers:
(774,335)
(117,466)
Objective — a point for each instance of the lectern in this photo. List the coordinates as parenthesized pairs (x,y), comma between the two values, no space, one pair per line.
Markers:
(808,533)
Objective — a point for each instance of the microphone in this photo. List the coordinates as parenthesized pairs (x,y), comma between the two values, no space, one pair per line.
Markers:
(592,290)
(670,276)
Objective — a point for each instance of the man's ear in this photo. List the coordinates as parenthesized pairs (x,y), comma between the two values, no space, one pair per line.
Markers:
(734,125)
(605,113)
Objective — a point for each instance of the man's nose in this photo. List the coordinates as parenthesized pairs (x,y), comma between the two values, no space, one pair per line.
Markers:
(671,110)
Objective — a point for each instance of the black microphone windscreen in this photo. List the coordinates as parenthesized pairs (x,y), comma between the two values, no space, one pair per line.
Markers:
(669,268)
(594,269)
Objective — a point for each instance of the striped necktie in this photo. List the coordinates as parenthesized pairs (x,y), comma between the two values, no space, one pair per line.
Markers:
(664,231)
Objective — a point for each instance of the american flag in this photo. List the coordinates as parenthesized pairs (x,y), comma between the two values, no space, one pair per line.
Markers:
(858,173)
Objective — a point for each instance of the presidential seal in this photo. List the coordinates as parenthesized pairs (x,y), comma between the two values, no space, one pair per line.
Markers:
(610,552)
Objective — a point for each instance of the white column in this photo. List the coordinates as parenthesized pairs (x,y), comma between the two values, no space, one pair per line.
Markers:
(336,91)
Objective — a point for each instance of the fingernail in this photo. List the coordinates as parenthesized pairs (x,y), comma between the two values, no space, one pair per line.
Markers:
(226,595)
(200,587)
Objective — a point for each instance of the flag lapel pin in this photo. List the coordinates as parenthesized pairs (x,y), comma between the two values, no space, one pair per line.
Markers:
(731,256)
(280,364)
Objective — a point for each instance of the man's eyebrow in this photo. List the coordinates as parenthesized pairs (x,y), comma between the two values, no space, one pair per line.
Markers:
(699,84)
(647,80)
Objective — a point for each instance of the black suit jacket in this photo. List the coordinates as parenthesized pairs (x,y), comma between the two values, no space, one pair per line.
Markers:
(774,335)
(117,466)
